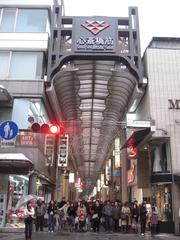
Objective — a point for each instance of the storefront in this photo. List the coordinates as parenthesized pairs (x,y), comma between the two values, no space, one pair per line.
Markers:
(14,168)
(161,182)
(162,198)
(17,188)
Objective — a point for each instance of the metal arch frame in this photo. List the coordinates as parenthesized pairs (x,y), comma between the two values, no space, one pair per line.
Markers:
(58,56)
(91,56)
(129,29)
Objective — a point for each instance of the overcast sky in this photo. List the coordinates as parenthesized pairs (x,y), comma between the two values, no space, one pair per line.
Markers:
(157,18)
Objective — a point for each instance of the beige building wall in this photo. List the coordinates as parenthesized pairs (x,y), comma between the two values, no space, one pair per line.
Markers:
(163,66)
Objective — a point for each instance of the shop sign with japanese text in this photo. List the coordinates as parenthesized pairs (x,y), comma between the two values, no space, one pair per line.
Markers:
(95,34)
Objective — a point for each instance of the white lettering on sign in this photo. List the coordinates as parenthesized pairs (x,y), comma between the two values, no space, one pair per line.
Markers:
(95,43)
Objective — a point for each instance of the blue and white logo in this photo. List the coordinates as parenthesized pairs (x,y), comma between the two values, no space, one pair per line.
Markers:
(8,130)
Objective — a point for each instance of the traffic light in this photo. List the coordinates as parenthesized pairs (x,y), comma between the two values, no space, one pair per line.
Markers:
(45,128)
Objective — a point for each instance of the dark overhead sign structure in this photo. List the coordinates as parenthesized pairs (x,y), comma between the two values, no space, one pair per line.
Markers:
(95,34)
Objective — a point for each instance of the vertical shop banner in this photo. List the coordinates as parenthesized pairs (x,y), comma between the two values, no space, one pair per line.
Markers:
(2,202)
(49,149)
(10,198)
(63,151)
(108,172)
(117,162)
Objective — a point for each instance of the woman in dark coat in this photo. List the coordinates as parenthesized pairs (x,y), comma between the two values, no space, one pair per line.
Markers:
(52,210)
(96,216)
(134,217)
(116,214)
(143,217)
(71,211)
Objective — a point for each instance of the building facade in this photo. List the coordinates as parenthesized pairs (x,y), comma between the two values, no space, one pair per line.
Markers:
(158,173)
(27,164)
(29,40)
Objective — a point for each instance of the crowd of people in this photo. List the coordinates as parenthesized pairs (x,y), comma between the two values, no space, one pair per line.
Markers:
(91,216)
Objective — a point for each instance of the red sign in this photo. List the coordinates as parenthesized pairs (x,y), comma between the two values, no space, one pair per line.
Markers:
(95,26)
(27,140)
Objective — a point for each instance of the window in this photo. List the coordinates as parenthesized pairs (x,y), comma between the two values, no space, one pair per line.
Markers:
(24,20)
(162,198)
(37,111)
(12,63)
(33,108)
(7,20)
(160,158)
(4,61)
(31,20)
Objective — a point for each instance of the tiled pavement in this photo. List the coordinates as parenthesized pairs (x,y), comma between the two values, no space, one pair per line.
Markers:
(86,236)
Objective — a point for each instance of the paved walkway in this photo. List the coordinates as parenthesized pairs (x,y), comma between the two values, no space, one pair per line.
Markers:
(86,236)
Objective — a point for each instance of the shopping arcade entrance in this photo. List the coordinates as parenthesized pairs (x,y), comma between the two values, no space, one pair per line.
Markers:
(94,79)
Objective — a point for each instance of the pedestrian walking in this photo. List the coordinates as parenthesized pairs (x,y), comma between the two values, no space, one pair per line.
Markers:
(81,214)
(71,211)
(116,214)
(107,213)
(64,209)
(40,210)
(135,217)
(96,216)
(125,217)
(153,219)
(28,220)
(52,210)
(143,218)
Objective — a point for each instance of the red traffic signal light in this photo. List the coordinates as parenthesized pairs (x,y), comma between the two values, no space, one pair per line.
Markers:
(54,129)
(45,128)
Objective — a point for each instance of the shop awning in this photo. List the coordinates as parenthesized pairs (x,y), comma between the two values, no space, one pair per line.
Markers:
(137,137)
(15,163)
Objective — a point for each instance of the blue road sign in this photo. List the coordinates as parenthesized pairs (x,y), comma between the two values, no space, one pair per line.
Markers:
(117,174)
(8,130)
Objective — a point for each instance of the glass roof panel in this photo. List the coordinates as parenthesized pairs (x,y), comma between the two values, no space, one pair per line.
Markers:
(96,96)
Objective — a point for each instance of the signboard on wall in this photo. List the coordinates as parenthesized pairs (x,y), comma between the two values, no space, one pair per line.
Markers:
(95,34)
(27,140)
(63,151)
(2,204)
(49,150)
